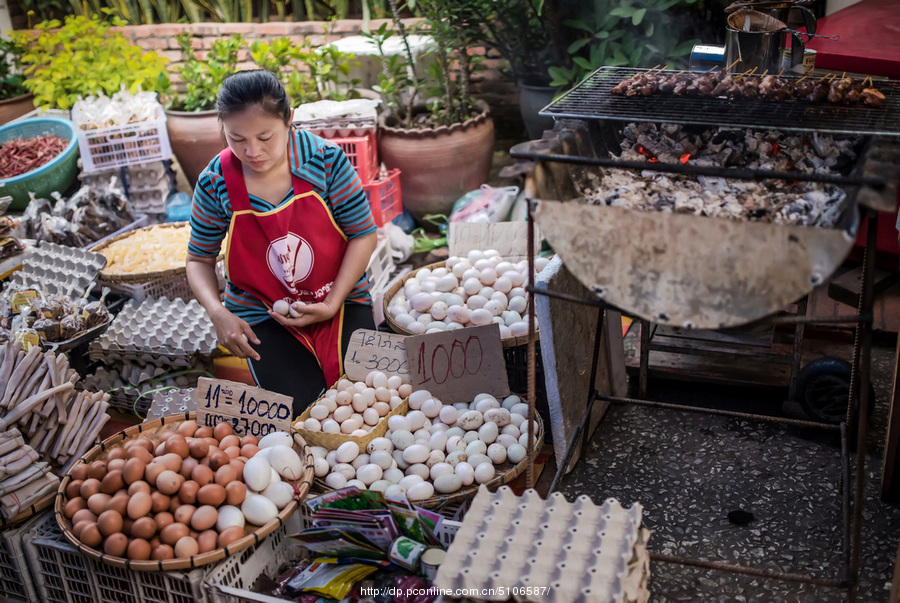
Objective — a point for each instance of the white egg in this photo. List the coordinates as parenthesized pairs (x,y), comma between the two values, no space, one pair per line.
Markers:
(494,307)
(486,292)
(477,459)
(456,431)
(497,453)
(258,509)
(422,302)
(540,264)
(352,424)
(318,451)
(503,267)
(446,283)
(485,402)
(432,408)
(445,484)
(320,467)
(452,261)
(523,440)
(411,287)
(484,473)
(394,381)
(452,299)
(393,475)
(459,269)
(488,276)
(518,304)
(518,292)
(510,430)
(405,390)
(370,473)
(357,483)
(435,457)
(466,473)
(276,438)
(381,458)
(506,440)
(257,473)
(482,264)
(402,439)
(455,444)
(329,403)
(416,328)
(417,453)
(519,328)
(330,458)
(471,419)
(475,255)
(394,403)
(416,399)
(452,326)
(319,412)
(420,491)
(502,284)
(438,441)
(410,480)
(488,433)
(520,409)
(312,425)
(280,493)
(345,469)
(380,444)
(455,458)
(422,274)
(500,416)
(229,517)
(437,426)
(471,436)
(380,485)
(459,314)
(476,447)
(516,453)
(510,401)
(471,286)
(439,469)
(335,481)
(371,416)
(416,419)
(517,420)
(439,310)
(359,403)
(286,462)
(398,423)
(516,278)
(481,317)
(362,459)
(448,415)
(505,332)
(425,320)
(509,317)
(422,435)
(394,492)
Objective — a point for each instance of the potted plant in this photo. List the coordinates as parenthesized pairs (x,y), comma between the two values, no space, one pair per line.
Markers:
(15,99)
(191,117)
(438,136)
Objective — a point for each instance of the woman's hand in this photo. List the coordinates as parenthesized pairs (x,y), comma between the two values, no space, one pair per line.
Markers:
(235,334)
(308,314)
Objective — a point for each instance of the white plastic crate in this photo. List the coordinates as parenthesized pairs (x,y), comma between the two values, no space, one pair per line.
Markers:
(131,144)
(16,583)
(64,575)
(381,264)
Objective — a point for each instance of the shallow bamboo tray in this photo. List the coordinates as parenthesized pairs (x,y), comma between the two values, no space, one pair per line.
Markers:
(507,473)
(508,342)
(252,536)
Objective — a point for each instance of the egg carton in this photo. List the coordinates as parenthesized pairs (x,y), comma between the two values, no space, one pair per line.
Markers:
(151,199)
(131,386)
(553,550)
(53,268)
(146,174)
(172,402)
(157,331)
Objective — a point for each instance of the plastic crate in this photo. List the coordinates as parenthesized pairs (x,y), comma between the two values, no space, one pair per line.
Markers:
(381,264)
(16,583)
(362,151)
(131,144)
(384,197)
(169,286)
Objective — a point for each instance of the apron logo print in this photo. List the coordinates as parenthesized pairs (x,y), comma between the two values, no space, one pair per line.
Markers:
(290,259)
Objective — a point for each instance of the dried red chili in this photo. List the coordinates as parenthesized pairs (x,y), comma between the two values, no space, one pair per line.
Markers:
(21,155)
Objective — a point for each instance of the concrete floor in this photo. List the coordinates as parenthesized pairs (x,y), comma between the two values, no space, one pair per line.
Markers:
(690,470)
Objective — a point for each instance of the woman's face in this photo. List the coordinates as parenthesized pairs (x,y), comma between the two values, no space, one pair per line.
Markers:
(258,139)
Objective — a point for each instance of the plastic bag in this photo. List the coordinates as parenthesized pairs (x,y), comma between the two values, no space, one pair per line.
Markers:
(178,208)
(486,205)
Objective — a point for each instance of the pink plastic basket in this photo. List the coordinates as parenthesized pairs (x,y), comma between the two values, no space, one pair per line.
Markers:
(362,151)
(384,197)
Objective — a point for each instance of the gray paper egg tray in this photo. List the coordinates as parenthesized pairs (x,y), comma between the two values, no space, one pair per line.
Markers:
(553,551)
(128,383)
(53,268)
(172,402)
(158,331)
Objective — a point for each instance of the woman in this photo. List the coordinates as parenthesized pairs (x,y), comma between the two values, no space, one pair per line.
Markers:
(300,230)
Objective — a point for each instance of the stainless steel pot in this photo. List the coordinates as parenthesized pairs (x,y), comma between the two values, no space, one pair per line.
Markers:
(754,39)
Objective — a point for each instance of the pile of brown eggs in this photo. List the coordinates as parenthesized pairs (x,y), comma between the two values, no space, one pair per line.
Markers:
(159,497)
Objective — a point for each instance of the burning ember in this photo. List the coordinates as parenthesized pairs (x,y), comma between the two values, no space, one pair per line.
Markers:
(779,201)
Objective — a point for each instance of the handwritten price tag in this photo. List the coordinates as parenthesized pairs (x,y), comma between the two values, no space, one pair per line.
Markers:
(458,365)
(373,351)
(251,410)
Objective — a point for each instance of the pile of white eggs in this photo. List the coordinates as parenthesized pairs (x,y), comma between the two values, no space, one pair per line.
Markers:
(476,290)
(354,408)
(434,448)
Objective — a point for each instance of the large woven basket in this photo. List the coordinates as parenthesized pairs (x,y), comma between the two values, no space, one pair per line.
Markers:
(252,534)
(508,342)
(506,472)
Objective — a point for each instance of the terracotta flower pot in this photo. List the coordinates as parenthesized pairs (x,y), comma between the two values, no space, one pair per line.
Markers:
(195,138)
(16,106)
(438,166)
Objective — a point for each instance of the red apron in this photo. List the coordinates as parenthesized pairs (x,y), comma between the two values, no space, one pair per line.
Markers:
(292,252)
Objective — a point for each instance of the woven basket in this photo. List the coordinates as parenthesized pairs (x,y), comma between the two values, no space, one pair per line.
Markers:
(507,473)
(252,536)
(508,342)
(333,441)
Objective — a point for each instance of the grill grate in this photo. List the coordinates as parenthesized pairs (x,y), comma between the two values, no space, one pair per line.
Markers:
(591,99)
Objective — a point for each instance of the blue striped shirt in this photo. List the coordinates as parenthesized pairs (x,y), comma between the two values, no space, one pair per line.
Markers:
(321,163)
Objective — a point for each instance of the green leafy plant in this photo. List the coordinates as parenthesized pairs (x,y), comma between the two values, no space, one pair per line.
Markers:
(12,82)
(203,78)
(309,74)
(84,56)
(142,12)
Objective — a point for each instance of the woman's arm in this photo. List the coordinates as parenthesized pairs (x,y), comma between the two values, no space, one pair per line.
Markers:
(233,332)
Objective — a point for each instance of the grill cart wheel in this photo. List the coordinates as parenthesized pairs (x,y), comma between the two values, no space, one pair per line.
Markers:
(823,387)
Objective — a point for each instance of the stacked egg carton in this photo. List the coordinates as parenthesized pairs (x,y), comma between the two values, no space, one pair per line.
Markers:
(130,384)
(169,333)
(553,550)
(53,268)
(172,402)
(149,187)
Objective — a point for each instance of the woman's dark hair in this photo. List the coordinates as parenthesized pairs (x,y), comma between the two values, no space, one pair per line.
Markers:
(254,87)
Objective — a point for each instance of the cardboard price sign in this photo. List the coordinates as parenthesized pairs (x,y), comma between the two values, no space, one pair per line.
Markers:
(374,351)
(251,410)
(457,365)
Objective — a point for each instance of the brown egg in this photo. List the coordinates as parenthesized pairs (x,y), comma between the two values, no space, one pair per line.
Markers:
(222,429)
(133,470)
(115,454)
(233,452)
(203,432)
(138,486)
(212,494)
(112,482)
(203,475)
(115,545)
(145,528)
(152,471)
(188,492)
(249,439)
(174,503)
(229,441)
(172,533)
(115,464)
(139,505)
(119,503)
(79,472)
(154,542)
(160,502)
(145,443)
(213,443)
(97,470)
(199,448)
(204,518)
(237,464)
(169,482)
(83,515)
(188,428)
(74,506)
(109,522)
(218,459)
(77,527)
(248,450)
(162,552)
(229,535)
(91,536)
(73,489)
(177,445)
(226,474)
(206,541)
(138,550)
(184,513)
(163,519)
(171,461)
(140,452)
(235,493)
(127,524)
(89,487)
(187,467)
(194,534)
(97,503)
(186,547)
(160,449)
